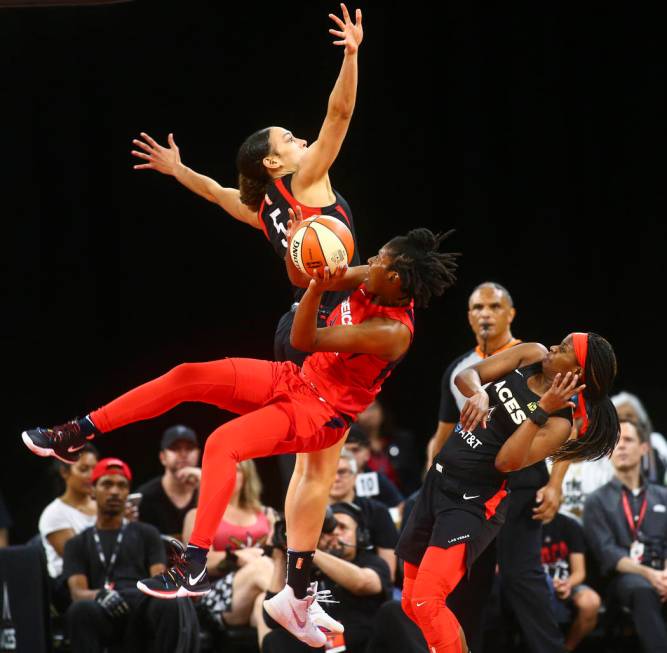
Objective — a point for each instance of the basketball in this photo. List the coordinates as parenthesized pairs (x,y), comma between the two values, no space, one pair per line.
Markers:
(319,241)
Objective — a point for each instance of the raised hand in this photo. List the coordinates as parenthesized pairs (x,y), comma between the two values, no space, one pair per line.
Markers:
(560,394)
(163,159)
(325,279)
(349,34)
(294,222)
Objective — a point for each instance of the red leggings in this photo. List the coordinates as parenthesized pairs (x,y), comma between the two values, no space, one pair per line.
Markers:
(425,590)
(241,386)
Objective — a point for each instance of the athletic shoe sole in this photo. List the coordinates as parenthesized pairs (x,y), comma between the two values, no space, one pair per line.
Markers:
(41,451)
(178,594)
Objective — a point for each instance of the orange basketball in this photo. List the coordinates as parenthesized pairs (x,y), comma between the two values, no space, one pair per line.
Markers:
(319,241)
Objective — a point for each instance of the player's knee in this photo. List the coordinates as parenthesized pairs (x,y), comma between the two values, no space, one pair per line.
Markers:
(426,608)
(406,604)
(183,374)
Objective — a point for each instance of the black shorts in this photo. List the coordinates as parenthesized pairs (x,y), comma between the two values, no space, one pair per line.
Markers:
(282,349)
(452,511)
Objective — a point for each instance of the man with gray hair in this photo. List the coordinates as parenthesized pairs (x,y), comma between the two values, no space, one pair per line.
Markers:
(382,531)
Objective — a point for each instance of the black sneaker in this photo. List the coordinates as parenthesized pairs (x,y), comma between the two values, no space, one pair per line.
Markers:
(185,577)
(63,442)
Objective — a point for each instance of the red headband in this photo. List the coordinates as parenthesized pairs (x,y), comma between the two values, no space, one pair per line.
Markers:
(580,344)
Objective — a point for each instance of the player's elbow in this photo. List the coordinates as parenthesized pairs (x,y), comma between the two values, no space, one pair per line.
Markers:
(506,464)
(301,342)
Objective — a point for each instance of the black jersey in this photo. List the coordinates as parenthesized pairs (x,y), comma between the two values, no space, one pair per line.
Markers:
(273,218)
(472,455)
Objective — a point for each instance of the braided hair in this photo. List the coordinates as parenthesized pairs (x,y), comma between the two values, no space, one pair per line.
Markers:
(423,270)
(253,176)
(603,429)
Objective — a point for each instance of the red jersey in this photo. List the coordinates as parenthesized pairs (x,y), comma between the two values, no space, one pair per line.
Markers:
(350,381)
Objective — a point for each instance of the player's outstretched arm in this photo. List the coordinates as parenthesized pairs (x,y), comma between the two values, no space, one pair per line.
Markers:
(323,152)
(167,160)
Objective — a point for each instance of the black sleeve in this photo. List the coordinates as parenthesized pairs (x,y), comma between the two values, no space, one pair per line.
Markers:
(75,560)
(574,535)
(380,567)
(449,411)
(382,528)
(155,551)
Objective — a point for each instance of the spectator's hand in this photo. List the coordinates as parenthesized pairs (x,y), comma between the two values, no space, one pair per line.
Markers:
(548,498)
(131,511)
(189,475)
(475,410)
(659,581)
(113,603)
(563,588)
(246,556)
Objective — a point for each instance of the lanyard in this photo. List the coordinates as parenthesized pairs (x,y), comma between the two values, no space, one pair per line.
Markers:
(634,527)
(108,568)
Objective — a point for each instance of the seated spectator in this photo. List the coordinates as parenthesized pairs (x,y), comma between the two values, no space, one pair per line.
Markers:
(238,569)
(383,533)
(356,579)
(375,484)
(167,499)
(563,551)
(102,565)
(70,513)
(5,523)
(654,461)
(393,450)
(580,480)
(625,522)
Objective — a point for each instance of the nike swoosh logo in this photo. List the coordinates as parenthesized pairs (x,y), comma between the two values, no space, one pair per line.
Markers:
(194,581)
(419,605)
(300,622)
(72,449)
(467,498)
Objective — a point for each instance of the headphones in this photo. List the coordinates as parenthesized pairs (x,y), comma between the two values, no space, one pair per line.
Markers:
(364,540)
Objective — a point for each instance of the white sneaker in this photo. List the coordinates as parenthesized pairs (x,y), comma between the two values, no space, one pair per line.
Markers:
(319,617)
(294,616)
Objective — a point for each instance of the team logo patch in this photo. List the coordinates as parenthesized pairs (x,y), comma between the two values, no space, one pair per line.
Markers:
(532,406)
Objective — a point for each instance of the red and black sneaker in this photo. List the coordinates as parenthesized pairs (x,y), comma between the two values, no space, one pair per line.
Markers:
(185,577)
(63,442)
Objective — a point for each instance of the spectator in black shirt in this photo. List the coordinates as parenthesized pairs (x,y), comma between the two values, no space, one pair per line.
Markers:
(357,579)
(563,549)
(103,564)
(382,530)
(167,499)
(625,522)
(377,484)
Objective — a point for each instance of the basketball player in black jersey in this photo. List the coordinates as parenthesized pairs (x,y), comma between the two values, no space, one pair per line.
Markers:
(278,172)
(523,416)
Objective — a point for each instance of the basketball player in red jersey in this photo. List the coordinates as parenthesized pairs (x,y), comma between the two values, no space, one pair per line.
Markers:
(277,172)
(518,411)
(283,408)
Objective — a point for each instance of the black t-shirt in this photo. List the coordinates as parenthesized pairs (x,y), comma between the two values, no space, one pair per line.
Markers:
(156,508)
(273,218)
(471,455)
(140,548)
(382,529)
(357,613)
(560,538)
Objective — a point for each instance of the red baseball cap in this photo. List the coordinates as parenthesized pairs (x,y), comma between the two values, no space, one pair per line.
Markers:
(111,466)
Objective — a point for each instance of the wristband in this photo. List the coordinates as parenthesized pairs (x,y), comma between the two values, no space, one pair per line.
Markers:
(536,414)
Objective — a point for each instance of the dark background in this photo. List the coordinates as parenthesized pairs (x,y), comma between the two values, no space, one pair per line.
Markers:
(536,131)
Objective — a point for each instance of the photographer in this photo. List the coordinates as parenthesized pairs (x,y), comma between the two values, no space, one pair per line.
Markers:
(102,565)
(625,522)
(357,579)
